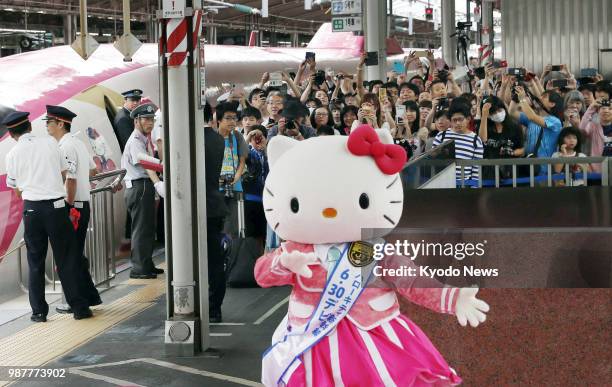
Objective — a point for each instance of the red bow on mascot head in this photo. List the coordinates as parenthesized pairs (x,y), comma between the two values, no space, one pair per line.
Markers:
(364,141)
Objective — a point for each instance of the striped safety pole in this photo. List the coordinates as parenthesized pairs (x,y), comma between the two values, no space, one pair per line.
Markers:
(180,54)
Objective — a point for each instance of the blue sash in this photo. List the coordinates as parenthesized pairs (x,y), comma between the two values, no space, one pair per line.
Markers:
(342,290)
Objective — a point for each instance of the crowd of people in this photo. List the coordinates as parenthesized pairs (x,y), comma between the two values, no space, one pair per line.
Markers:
(492,113)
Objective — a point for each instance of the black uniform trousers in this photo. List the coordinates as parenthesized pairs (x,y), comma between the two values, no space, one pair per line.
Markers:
(89,290)
(43,223)
(216,269)
(140,201)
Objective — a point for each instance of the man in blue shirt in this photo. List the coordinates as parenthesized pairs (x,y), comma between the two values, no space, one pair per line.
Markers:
(545,120)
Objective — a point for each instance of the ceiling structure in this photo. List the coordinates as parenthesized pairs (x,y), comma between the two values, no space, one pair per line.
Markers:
(105,17)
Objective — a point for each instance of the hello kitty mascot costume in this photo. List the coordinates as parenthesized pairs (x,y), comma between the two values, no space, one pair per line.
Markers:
(319,196)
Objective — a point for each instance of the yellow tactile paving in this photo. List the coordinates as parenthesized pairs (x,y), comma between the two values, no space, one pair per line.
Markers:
(39,344)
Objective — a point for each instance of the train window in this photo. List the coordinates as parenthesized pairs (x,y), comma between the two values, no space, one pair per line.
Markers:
(4,111)
(111,112)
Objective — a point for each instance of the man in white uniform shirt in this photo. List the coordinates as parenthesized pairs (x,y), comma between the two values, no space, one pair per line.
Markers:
(34,170)
(141,185)
(80,166)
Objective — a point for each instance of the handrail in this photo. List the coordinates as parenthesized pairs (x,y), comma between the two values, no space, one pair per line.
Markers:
(531,161)
(18,246)
(120,173)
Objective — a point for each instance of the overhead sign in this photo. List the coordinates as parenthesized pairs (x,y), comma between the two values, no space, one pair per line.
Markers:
(128,44)
(345,24)
(173,9)
(346,7)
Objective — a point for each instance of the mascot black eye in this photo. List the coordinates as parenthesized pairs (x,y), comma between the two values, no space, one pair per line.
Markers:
(295,205)
(364,201)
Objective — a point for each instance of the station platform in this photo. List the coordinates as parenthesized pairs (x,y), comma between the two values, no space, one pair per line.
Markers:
(123,344)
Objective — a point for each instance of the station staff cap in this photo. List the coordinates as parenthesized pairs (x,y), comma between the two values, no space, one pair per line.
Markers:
(144,110)
(14,119)
(134,94)
(59,113)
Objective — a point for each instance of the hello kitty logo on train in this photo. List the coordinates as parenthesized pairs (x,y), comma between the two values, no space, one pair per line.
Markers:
(319,196)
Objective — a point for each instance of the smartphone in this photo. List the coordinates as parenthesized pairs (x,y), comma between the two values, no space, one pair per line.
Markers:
(500,64)
(400,110)
(283,89)
(421,54)
(310,55)
(558,83)
(588,73)
(517,72)
(371,58)
(398,67)
(276,79)
(382,95)
(555,68)
(480,72)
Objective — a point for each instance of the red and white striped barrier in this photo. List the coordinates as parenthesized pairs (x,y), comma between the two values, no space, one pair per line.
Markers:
(177,39)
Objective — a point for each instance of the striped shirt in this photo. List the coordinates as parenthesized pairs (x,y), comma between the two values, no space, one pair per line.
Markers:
(467,147)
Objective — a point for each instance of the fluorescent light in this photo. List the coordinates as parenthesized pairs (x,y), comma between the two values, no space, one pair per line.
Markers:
(40,12)
(9,9)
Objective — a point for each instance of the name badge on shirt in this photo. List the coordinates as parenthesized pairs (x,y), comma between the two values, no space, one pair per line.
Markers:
(128,184)
(78,204)
(59,203)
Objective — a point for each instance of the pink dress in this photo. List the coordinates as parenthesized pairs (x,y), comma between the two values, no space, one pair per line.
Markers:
(374,345)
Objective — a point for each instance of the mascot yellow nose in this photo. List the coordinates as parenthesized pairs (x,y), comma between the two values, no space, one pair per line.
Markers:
(330,212)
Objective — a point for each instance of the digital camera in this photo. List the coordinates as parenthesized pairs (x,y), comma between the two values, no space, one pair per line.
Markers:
(226,184)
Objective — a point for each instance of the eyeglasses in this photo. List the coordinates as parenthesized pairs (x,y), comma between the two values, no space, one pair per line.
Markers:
(230,118)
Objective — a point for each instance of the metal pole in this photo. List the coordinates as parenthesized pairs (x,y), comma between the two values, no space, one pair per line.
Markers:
(83,22)
(487,27)
(375,32)
(449,45)
(183,328)
(126,17)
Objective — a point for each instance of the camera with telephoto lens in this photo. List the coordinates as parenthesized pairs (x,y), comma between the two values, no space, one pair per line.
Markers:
(226,184)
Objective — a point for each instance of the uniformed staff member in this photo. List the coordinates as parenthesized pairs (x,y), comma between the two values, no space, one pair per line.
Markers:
(80,166)
(124,124)
(34,170)
(141,185)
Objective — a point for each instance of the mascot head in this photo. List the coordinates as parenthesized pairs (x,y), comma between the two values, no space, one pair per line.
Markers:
(328,189)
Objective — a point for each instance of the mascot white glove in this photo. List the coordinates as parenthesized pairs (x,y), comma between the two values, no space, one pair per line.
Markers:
(160,188)
(469,308)
(298,262)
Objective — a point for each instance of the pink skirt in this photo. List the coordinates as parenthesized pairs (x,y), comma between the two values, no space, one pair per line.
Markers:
(396,353)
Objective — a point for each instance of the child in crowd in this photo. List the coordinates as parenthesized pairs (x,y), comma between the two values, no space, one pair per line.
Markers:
(570,141)
(250,117)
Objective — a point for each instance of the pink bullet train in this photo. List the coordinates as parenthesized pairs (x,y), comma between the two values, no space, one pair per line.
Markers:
(58,76)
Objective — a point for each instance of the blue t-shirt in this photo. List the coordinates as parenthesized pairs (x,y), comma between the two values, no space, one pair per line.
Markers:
(231,161)
(549,139)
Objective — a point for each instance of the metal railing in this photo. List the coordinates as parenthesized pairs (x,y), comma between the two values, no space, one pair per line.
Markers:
(100,244)
(548,176)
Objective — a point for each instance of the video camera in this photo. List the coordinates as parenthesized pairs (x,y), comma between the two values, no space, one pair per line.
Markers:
(464,25)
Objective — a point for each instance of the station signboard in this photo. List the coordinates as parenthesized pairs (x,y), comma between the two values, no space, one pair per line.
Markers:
(345,24)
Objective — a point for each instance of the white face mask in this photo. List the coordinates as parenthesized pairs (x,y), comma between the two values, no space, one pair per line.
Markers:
(499,117)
